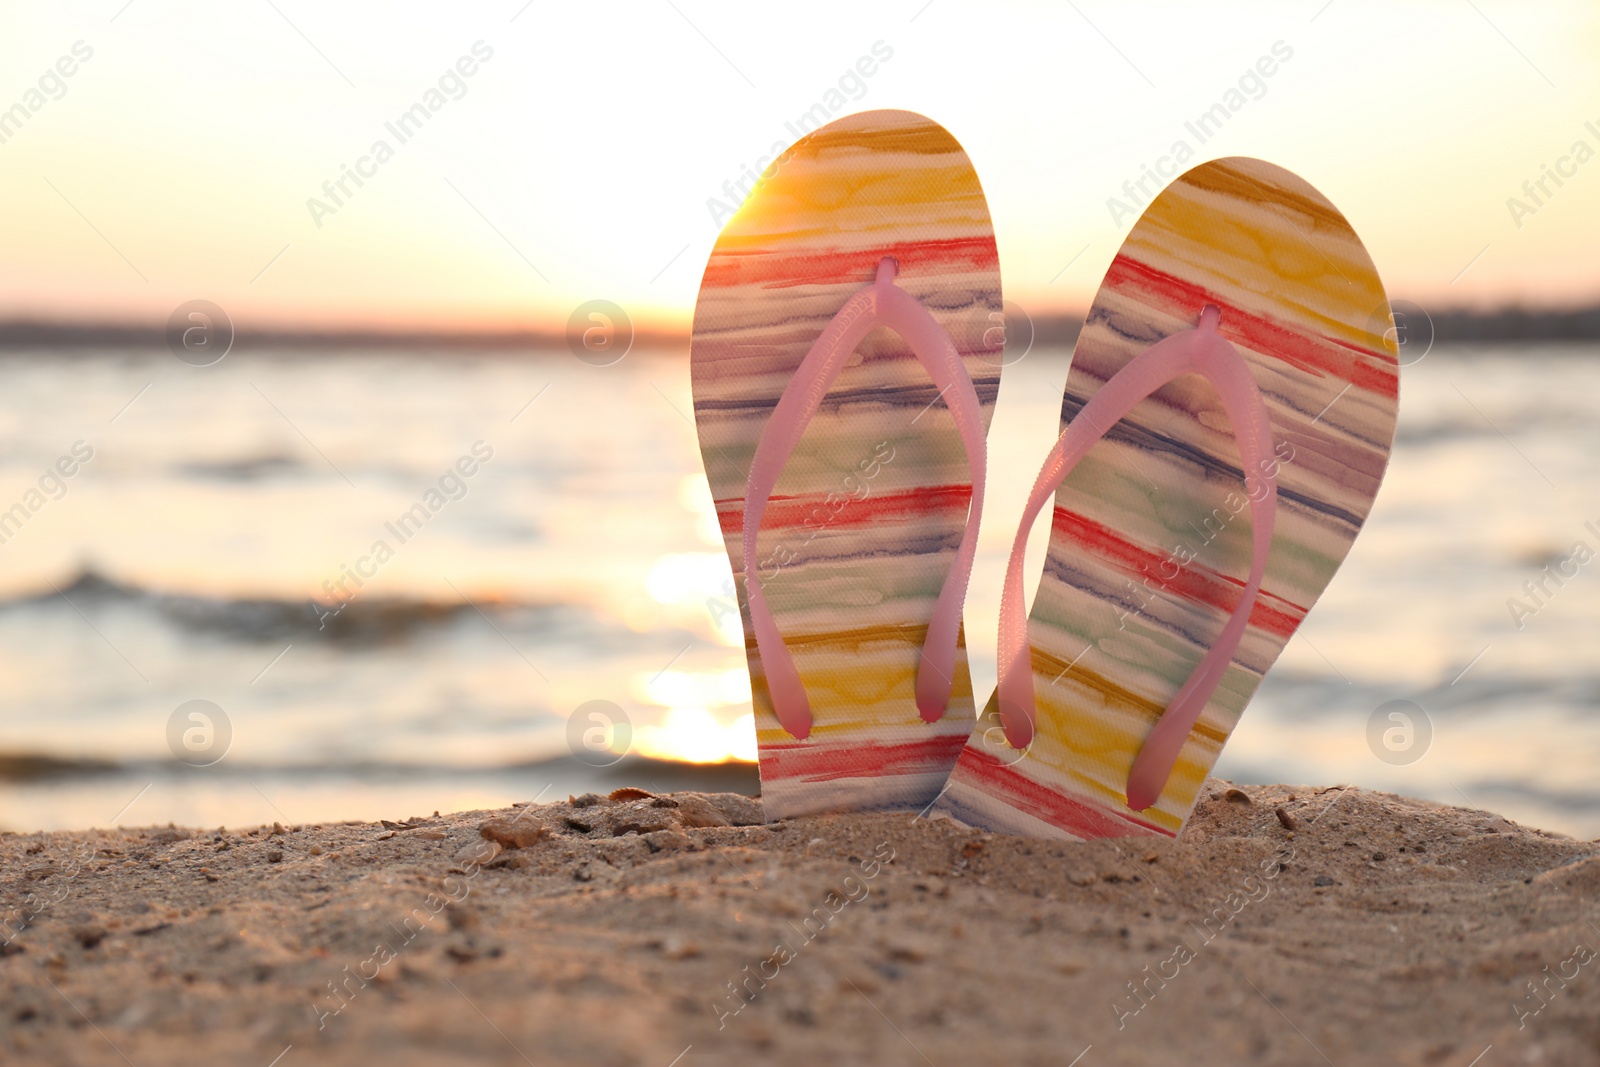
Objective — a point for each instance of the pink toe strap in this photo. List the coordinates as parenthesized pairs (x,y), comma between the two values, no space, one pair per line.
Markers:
(1200,350)
(880,304)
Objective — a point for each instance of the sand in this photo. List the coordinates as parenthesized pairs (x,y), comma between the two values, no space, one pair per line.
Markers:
(1291,925)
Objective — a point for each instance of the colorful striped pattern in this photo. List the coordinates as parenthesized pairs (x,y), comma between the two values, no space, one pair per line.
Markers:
(865,521)
(1122,616)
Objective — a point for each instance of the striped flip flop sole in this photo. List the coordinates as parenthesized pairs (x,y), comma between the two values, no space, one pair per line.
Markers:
(865,521)
(1150,537)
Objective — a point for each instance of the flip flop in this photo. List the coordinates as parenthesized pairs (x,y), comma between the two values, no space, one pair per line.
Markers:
(845,364)
(1228,418)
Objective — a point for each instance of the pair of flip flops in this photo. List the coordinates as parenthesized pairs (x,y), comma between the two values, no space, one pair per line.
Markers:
(1227,420)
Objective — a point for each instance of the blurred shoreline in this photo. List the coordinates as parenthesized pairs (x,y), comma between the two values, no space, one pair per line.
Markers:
(727,776)
(1509,323)
(40,792)
(31,334)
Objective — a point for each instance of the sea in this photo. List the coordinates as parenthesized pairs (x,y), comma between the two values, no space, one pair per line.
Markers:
(307,585)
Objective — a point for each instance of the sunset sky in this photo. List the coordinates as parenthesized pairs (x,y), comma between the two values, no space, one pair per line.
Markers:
(577,158)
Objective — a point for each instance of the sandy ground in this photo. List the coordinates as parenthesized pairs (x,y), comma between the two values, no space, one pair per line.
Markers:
(1290,926)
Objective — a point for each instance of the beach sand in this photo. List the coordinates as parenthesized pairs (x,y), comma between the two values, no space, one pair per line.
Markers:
(1291,925)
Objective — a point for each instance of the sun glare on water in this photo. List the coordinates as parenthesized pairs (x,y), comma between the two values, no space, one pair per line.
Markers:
(707,719)
(695,735)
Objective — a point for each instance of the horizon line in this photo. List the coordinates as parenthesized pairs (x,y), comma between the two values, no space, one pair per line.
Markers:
(1507,322)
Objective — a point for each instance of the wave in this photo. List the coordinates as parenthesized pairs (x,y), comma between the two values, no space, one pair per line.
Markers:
(1304,697)
(363,621)
(29,766)
(248,469)
(1555,799)
(1533,419)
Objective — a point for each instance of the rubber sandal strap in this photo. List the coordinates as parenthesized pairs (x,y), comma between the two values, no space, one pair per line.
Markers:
(880,304)
(1200,350)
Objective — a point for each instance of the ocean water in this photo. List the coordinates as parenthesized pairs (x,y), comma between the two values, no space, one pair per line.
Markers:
(400,578)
